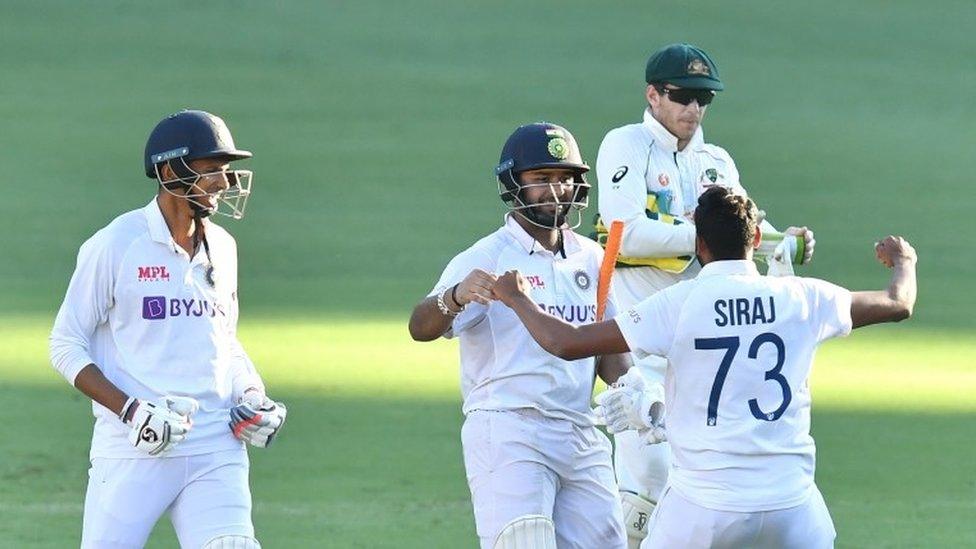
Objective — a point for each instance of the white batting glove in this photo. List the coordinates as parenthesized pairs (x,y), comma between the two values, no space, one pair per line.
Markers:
(257,420)
(631,403)
(808,241)
(160,425)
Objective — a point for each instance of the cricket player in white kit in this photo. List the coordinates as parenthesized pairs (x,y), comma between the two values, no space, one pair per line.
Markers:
(650,176)
(740,348)
(539,471)
(147,330)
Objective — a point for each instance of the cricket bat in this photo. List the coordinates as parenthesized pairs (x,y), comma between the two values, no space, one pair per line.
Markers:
(610,254)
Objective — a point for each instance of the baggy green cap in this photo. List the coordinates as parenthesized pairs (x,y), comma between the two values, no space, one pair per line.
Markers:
(685,66)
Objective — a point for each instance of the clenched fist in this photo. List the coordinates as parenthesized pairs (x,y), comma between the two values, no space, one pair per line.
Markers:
(894,249)
(510,286)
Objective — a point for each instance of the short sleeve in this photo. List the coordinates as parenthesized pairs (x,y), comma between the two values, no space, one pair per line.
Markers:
(648,327)
(830,308)
(455,272)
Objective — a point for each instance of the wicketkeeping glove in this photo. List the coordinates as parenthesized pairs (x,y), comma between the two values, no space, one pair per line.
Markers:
(257,420)
(160,425)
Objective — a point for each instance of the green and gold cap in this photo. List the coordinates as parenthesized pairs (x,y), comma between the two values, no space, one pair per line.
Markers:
(685,66)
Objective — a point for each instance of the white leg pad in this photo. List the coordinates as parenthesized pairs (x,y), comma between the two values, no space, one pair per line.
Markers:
(637,513)
(527,532)
(232,542)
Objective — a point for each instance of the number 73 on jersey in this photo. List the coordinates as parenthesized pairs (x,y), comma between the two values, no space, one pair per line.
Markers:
(731,346)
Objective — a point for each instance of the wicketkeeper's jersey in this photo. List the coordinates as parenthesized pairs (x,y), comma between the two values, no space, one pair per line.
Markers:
(638,160)
(740,348)
(502,367)
(148,316)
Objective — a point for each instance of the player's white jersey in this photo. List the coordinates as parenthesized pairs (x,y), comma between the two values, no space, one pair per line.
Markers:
(502,367)
(145,313)
(641,159)
(740,348)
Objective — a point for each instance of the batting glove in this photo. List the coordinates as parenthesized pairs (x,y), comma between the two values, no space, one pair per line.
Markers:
(808,242)
(257,420)
(160,425)
(631,403)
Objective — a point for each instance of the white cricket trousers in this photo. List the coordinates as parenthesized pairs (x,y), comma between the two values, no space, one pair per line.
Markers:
(206,495)
(677,522)
(523,463)
(643,468)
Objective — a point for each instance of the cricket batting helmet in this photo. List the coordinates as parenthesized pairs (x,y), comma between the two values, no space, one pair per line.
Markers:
(190,135)
(538,146)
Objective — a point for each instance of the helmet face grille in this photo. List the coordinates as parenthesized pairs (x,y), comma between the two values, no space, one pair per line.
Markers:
(562,214)
(230,201)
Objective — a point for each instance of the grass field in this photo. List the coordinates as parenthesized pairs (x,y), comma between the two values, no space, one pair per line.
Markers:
(375,126)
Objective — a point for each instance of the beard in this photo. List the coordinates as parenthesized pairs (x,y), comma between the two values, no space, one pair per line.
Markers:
(548,219)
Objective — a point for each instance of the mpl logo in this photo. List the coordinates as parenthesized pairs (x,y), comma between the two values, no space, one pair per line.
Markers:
(536,282)
(153,273)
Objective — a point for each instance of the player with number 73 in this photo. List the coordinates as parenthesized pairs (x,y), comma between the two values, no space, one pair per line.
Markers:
(740,348)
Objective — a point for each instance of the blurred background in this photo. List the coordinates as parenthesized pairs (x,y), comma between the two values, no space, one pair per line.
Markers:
(375,128)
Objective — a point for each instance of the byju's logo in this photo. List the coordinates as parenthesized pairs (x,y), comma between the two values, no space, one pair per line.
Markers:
(153,273)
(154,307)
(157,307)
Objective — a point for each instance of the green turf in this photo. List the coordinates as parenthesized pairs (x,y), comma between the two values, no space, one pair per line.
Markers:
(375,127)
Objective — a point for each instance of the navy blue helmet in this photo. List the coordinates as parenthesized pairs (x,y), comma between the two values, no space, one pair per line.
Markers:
(190,135)
(537,146)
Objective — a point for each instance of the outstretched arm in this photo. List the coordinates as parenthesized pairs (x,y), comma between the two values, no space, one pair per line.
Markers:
(897,301)
(553,334)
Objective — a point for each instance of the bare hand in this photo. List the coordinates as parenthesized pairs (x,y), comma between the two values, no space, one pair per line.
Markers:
(894,249)
(510,286)
(808,241)
(475,287)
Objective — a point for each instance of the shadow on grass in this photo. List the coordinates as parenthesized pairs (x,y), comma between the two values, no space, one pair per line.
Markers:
(388,473)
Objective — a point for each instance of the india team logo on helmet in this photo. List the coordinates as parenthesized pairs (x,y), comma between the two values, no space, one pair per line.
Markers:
(558,148)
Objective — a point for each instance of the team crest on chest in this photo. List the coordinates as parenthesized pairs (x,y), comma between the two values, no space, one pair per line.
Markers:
(582,279)
(663,179)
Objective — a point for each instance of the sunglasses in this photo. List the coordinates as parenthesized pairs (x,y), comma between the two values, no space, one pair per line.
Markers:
(685,96)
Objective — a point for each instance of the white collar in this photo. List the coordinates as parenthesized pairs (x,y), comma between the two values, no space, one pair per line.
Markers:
(158,229)
(666,139)
(729,267)
(531,245)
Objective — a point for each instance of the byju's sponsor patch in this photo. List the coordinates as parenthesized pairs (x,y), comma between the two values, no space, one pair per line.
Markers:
(159,307)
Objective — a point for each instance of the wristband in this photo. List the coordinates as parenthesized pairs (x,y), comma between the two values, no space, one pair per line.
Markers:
(442,305)
(125,408)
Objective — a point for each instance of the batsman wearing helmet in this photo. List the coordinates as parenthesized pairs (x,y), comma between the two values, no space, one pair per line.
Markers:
(148,331)
(651,175)
(539,470)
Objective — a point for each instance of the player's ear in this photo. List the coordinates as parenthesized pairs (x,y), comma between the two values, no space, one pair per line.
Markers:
(701,250)
(651,95)
(757,238)
(165,171)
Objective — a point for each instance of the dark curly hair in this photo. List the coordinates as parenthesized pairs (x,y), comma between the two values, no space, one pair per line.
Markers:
(726,222)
